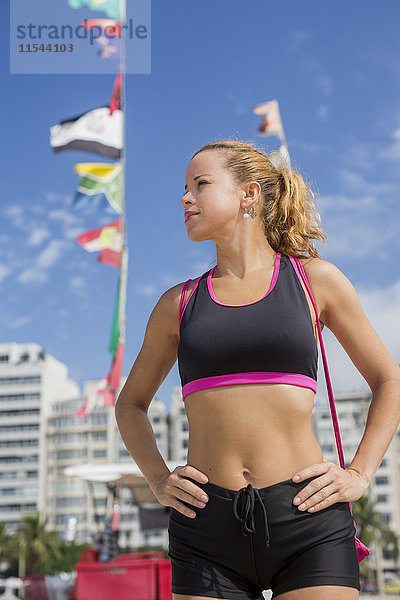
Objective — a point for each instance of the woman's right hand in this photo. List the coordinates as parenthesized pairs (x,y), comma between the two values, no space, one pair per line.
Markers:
(173,487)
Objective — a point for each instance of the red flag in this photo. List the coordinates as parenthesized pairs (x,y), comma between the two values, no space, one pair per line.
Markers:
(82,411)
(110,257)
(114,375)
(108,397)
(115,102)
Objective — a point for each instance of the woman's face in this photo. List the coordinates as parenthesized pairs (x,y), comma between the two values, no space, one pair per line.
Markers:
(212,195)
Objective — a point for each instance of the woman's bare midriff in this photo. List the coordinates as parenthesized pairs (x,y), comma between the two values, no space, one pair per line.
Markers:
(255,433)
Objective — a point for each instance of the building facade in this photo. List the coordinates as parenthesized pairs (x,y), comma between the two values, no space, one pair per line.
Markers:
(29,381)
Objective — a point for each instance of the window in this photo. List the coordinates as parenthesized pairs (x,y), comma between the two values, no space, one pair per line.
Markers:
(382,498)
(99,453)
(387,517)
(327,447)
(382,480)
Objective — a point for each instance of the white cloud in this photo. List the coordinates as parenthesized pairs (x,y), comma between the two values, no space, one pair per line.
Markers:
(17,322)
(308,146)
(32,275)
(297,39)
(145,289)
(382,307)
(4,272)
(38,235)
(361,155)
(362,222)
(71,223)
(392,151)
(16,214)
(46,259)
(322,80)
(50,255)
(79,286)
(322,112)
(54,197)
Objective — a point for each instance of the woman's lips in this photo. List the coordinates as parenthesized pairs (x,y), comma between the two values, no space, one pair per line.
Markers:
(191,216)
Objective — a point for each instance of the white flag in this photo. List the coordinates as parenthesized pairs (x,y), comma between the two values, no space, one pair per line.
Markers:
(94,131)
(271,123)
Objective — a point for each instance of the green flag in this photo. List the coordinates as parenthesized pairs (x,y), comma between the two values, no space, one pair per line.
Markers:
(115,326)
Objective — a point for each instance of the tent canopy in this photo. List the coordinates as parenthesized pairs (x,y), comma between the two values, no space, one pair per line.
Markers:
(126,474)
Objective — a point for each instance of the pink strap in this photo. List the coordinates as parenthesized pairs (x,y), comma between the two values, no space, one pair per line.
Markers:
(327,377)
(183,298)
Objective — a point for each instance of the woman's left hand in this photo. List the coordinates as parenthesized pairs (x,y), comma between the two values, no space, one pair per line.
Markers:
(334,485)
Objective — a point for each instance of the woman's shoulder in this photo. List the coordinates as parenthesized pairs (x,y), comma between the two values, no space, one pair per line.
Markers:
(170,300)
(320,271)
(328,283)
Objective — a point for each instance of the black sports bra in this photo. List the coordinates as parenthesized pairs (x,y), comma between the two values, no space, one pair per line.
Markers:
(267,341)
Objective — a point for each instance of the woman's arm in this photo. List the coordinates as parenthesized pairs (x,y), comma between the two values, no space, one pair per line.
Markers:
(341,311)
(153,363)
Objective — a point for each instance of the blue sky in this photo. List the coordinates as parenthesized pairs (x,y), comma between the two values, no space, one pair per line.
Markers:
(335,71)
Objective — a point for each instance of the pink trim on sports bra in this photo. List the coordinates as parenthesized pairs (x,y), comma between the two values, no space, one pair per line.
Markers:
(271,287)
(244,378)
(297,271)
(182,307)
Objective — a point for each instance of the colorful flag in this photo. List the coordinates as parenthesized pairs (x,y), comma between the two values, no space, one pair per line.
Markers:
(109,38)
(95,131)
(100,186)
(110,7)
(271,123)
(108,236)
(115,102)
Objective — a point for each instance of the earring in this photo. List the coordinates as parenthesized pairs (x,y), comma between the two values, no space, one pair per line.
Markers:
(249,212)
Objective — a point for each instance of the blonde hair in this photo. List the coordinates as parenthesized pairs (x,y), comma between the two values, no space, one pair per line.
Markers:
(288,212)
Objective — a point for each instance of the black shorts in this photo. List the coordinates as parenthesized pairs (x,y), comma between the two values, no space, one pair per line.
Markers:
(250,540)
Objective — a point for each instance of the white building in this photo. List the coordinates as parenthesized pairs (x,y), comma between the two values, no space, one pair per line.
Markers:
(76,507)
(29,382)
(179,428)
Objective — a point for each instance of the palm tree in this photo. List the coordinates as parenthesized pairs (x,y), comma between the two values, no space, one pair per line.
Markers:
(371,527)
(5,542)
(36,544)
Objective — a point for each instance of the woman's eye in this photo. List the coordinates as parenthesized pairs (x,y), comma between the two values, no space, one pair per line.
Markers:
(201,182)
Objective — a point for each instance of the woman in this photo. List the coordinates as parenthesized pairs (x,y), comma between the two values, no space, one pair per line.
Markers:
(256,506)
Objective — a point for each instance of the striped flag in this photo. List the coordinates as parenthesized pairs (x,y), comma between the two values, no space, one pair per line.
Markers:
(95,131)
(110,7)
(271,122)
(100,186)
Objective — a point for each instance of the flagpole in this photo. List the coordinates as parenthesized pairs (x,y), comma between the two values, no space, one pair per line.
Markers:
(124,253)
